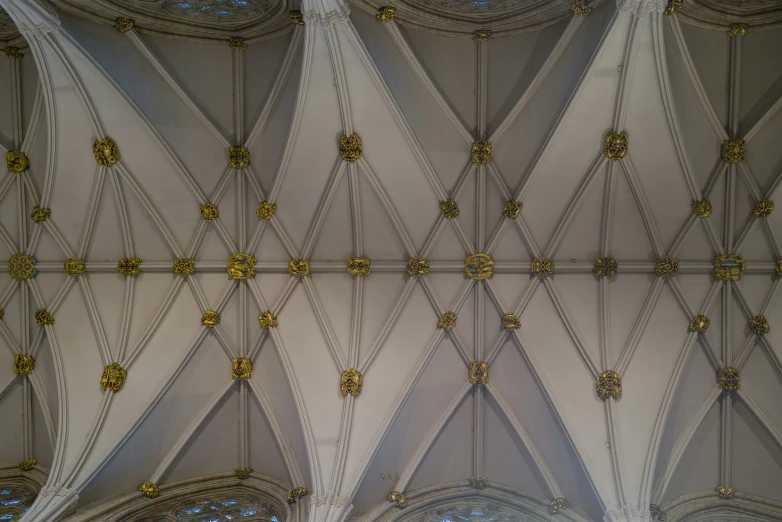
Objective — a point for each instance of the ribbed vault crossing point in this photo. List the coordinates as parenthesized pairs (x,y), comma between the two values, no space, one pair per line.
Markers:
(389,261)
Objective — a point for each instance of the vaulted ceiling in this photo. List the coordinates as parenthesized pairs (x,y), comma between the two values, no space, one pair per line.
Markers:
(174,96)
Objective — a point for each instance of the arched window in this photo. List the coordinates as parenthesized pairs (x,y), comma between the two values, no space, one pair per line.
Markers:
(219,508)
(15,500)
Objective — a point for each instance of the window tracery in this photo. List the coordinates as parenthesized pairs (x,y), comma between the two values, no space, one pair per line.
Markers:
(218,509)
(216,9)
(471,6)
(15,500)
(475,513)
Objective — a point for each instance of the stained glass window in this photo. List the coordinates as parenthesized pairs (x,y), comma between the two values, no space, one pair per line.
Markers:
(219,509)
(216,9)
(15,500)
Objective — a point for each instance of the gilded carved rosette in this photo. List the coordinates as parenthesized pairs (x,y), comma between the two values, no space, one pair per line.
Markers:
(778,268)
(74,267)
(580,7)
(23,364)
(237,42)
(604,267)
(27,465)
(478,373)
(130,266)
(43,317)
(449,208)
(298,267)
(266,210)
(268,320)
(22,266)
(296,494)
(418,266)
(238,157)
(763,208)
(113,377)
(17,161)
(479,266)
(351,382)
(350,148)
(734,150)
(724,493)
(447,321)
(296,17)
(397,498)
(39,215)
(557,505)
(666,267)
(510,321)
(481,152)
(209,211)
(700,323)
(106,152)
(358,266)
(243,473)
(482,36)
(673,7)
(210,319)
(150,489)
(542,266)
(478,483)
(739,29)
(758,324)
(512,209)
(241,369)
(184,266)
(12,52)
(616,145)
(123,24)
(609,384)
(728,267)
(241,266)
(728,378)
(702,208)
(386,14)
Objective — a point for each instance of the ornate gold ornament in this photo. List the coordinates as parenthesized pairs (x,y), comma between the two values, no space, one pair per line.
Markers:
(358,266)
(39,215)
(700,323)
(238,157)
(350,147)
(268,320)
(763,208)
(237,42)
(702,208)
(106,152)
(124,24)
(724,493)
(758,324)
(481,35)
(113,377)
(657,512)
(397,498)
(542,266)
(386,14)
(296,16)
(510,322)
(557,505)
(512,209)
(241,369)
(609,384)
(209,211)
(2,313)
(17,161)
(22,266)
(604,267)
(778,268)
(43,317)
(734,150)
(23,364)
(481,152)
(295,494)
(130,266)
(266,210)
(728,267)
(74,266)
(580,7)
(27,465)
(241,266)
(418,266)
(210,319)
(478,483)
(351,382)
(150,489)
(615,145)
(449,208)
(728,378)
(666,267)
(243,473)
(478,373)
(298,267)
(13,52)
(447,321)
(184,266)
(737,30)
(673,7)
(479,266)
